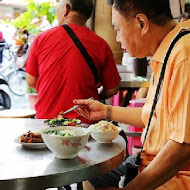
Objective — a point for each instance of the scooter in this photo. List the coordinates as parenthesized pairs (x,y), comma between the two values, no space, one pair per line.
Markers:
(5,101)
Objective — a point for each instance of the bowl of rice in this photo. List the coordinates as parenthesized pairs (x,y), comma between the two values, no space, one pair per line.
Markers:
(106,134)
(65,141)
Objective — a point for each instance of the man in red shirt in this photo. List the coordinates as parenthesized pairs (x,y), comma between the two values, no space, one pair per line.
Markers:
(59,72)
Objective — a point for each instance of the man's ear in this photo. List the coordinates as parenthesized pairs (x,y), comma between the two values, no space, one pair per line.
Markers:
(143,23)
(67,9)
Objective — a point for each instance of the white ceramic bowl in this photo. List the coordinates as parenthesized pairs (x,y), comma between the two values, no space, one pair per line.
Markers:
(105,137)
(65,147)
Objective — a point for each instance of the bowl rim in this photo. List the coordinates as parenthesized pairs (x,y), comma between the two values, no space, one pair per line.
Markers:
(61,127)
(119,130)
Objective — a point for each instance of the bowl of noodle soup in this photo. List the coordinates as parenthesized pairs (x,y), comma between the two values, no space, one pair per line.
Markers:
(65,141)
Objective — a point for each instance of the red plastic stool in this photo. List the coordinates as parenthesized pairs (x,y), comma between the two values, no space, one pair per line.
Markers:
(135,141)
(116,99)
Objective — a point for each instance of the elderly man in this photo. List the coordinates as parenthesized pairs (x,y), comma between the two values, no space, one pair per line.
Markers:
(58,70)
(146,28)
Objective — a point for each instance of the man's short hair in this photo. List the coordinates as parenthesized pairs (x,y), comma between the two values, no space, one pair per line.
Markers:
(84,7)
(157,11)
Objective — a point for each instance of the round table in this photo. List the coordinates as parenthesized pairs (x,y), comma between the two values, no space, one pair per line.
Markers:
(17,113)
(28,169)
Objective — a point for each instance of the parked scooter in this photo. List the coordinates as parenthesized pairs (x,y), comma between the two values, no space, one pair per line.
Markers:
(5,101)
(12,72)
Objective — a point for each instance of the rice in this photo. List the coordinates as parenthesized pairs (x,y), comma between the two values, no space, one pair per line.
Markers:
(107,128)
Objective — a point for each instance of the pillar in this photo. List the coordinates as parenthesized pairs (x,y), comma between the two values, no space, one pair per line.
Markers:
(103,27)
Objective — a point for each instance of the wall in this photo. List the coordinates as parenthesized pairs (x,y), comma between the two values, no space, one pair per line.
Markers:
(177,7)
(103,27)
(10,11)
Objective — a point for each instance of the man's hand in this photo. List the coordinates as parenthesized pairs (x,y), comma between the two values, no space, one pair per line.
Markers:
(91,109)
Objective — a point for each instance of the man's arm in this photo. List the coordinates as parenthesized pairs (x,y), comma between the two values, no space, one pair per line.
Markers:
(165,165)
(31,81)
(127,115)
(109,77)
(142,92)
(105,94)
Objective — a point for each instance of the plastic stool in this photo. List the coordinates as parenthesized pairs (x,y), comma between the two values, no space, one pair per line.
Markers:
(116,99)
(135,141)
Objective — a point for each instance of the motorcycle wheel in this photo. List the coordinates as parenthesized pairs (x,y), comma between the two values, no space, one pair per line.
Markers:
(5,101)
(17,82)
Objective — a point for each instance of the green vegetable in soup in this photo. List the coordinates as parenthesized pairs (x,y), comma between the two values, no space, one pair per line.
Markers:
(67,135)
(60,121)
(63,133)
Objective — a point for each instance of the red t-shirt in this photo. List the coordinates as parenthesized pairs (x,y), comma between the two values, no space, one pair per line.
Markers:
(63,74)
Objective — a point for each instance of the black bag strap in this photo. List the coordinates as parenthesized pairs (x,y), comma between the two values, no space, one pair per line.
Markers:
(158,88)
(83,51)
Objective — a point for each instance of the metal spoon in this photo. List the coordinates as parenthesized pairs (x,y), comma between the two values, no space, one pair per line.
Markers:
(74,107)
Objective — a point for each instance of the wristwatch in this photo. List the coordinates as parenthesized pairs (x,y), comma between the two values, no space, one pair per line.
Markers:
(108,112)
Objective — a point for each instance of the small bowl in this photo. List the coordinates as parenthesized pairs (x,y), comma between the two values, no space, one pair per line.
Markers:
(64,147)
(104,136)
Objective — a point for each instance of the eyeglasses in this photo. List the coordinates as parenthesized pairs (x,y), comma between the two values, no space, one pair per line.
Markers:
(58,4)
(62,3)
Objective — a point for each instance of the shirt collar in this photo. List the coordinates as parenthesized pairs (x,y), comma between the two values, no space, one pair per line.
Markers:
(162,49)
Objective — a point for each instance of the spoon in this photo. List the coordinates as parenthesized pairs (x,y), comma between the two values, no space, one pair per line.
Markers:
(74,107)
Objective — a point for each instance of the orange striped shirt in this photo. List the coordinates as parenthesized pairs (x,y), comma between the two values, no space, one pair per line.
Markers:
(171,119)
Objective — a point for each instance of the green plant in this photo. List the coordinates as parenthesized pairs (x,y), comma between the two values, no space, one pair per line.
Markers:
(31,90)
(35,10)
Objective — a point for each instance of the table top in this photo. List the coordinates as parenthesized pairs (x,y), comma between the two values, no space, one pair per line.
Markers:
(128,133)
(23,168)
(17,113)
(129,80)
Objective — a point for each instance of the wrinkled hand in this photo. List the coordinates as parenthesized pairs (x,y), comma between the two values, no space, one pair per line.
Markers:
(91,109)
